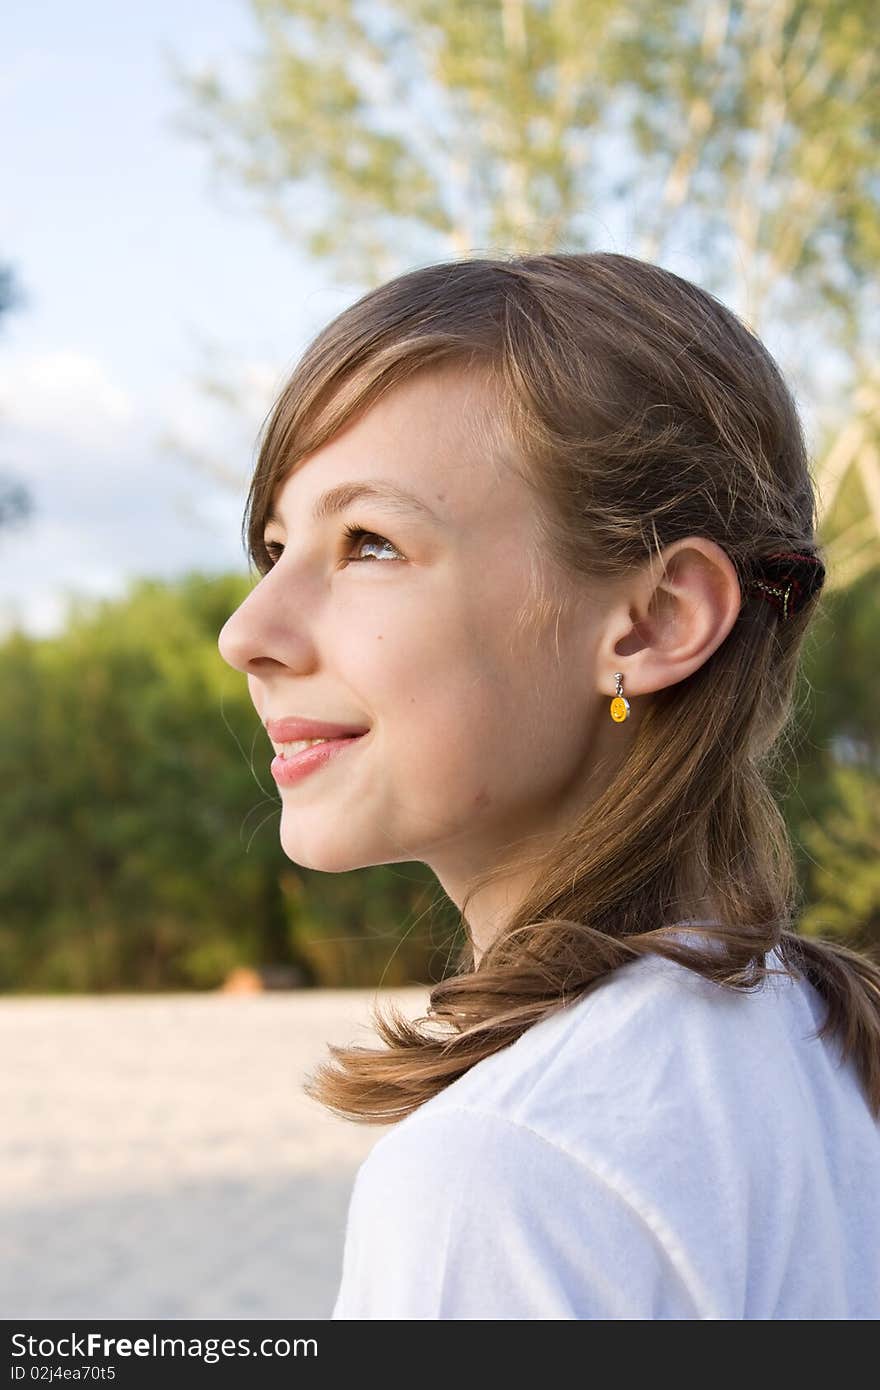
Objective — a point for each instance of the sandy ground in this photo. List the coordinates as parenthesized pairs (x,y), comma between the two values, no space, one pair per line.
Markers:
(158,1158)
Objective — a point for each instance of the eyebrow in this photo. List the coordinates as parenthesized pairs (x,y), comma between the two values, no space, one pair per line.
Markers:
(336,499)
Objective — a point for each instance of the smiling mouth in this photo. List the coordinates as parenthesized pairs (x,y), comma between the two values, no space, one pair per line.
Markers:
(290,750)
(299,759)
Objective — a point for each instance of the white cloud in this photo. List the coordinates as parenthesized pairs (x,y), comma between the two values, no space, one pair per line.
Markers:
(212,418)
(242,393)
(43,565)
(64,393)
(113,498)
(110,502)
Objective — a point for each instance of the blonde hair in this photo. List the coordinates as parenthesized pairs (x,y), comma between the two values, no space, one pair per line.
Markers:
(640,410)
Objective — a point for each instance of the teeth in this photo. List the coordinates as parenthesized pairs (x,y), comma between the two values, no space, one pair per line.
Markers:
(287,750)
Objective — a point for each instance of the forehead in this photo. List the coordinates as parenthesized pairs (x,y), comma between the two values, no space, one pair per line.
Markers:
(436,436)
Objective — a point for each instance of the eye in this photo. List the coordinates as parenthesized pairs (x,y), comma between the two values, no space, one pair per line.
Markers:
(353,535)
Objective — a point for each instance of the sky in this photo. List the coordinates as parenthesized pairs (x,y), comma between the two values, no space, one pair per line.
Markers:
(140,269)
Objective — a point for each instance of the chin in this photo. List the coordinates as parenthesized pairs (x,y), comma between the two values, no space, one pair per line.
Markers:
(328,854)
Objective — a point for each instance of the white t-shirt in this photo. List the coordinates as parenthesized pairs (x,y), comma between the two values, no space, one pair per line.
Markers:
(662,1148)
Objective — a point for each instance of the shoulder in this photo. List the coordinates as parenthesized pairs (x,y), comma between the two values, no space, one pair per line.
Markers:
(655,1041)
(464,1213)
(650,1038)
(620,1159)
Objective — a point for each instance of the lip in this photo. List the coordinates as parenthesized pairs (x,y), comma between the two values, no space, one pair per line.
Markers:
(286,771)
(292,729)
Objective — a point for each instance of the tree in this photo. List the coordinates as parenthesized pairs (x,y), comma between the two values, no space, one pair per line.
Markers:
(16,504)
(748,130)
(139,819)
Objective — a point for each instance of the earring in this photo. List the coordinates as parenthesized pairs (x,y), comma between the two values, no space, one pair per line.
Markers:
(619,706)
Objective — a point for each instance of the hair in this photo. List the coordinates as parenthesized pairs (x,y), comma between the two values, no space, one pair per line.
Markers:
(640,410)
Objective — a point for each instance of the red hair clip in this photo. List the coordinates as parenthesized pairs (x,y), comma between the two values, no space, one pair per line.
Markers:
(787,579)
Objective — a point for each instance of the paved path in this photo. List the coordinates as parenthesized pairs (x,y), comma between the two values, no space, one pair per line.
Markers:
(158,1158)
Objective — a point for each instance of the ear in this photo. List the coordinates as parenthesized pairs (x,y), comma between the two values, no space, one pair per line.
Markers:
(670,617)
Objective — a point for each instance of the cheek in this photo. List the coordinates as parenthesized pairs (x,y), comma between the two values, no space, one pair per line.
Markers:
(462,703)
(398,657)
(489,724)
(454,730)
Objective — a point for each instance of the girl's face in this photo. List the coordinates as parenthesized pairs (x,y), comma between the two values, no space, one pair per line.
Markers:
(482,729)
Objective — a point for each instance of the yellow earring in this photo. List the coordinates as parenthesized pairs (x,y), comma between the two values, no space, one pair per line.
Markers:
(619,705)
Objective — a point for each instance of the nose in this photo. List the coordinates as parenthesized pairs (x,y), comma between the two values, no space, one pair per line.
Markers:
(256,633)
(233,642)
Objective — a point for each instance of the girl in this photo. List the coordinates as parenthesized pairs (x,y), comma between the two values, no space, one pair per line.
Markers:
(538,557)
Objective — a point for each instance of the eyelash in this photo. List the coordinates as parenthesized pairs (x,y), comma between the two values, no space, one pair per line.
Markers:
(350,532)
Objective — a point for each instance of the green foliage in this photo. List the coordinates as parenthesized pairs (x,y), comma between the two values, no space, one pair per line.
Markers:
(832,796)
(139,820)
(845,851)
(455,125)
(381,135)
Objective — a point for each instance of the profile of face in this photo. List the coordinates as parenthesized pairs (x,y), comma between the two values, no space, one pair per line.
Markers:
(483,730)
